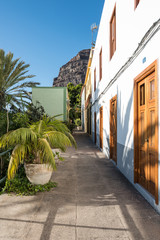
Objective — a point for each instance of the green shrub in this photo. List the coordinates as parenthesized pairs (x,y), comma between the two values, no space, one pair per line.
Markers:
(78,122)
(4,162)
(70,126)
(35,112)
(3,123)
(21,186)
(18,120)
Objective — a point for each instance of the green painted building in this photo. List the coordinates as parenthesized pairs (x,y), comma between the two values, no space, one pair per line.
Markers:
(54,100)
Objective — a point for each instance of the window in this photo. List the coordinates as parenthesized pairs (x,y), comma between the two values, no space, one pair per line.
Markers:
(95,79)
(100,65)
(136,3)
(152,89)
(142,94)
(113,33)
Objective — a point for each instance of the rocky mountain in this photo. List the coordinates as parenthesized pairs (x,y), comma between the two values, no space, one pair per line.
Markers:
(74,71)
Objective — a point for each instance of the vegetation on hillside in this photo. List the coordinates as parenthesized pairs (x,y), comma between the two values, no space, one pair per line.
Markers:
(75,101)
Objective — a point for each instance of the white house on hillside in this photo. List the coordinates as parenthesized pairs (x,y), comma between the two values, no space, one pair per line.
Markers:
(125,92)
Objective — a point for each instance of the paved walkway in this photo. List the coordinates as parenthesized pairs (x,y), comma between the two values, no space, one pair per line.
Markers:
(93,201)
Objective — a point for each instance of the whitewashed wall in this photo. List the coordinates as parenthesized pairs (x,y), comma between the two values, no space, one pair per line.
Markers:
(131,26)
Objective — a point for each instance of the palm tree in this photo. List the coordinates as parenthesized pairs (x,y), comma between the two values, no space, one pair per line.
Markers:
(35,143)
(13,91)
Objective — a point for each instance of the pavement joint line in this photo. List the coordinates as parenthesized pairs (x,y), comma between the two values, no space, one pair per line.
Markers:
(21,220)
(67,225)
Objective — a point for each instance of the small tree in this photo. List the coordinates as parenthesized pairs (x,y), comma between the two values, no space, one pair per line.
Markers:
(75,100)
(35,112)
(13,93)
(34,144)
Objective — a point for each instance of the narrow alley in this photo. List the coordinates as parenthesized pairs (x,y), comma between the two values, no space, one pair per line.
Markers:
(93,200)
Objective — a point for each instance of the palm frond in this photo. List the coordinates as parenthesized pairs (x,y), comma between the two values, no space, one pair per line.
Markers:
(20,79)
(19,136)
(61,127)
(55,124)
(23,85)
(46,152)
(58,140)
(19,68)
(17,157)
(15,102)
(40,127)
(13,74)
(71,138)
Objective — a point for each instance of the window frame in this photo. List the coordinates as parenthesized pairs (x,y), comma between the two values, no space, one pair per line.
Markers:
(136,2)
(100,65)
(95,79)
(113,36)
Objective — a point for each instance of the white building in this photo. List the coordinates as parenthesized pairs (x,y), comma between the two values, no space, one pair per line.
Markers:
(125,92)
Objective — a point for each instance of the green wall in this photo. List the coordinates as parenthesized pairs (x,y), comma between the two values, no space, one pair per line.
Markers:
(54,100)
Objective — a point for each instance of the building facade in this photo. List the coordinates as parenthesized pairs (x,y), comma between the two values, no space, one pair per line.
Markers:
(125,92)
(54,100)
(83,108)
(86,99)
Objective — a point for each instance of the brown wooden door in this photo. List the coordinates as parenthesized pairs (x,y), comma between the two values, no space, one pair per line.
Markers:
(95,129)
(101,127)
(113,128)
(142,134)
(147,133)
(88,120)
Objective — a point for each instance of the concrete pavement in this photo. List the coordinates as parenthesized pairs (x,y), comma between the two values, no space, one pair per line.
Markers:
(93,201)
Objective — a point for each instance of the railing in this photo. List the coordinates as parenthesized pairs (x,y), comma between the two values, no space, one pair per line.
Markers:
(4,160)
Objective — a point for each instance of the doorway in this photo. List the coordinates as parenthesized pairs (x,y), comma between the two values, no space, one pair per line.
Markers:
(146,130)
(95,129)
(101,128)
(113,129)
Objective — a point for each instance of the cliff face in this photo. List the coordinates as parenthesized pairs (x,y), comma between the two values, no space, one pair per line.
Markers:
(74,71)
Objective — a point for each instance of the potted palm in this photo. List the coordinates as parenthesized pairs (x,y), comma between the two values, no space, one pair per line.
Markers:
(33,147)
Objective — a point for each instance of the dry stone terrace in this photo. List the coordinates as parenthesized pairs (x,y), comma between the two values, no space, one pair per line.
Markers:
(93,200)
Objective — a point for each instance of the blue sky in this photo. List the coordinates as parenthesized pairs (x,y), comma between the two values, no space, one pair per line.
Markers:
(47,33)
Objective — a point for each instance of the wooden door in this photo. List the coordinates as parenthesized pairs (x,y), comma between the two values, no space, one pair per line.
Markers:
(147,132)
(101,127)
(152,133)
(88,120)
(146,150)
(142,133)
(113,129)
(95,128)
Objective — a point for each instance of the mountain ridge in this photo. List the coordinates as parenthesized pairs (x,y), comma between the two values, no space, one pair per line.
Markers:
(73,71)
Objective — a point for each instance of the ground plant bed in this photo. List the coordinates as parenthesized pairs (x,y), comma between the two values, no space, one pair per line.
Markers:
(20,185)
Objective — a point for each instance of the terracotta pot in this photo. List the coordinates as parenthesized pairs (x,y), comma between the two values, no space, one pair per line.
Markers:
(38,173)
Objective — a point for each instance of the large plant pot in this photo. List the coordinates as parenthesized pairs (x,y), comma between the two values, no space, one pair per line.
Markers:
(38,173)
